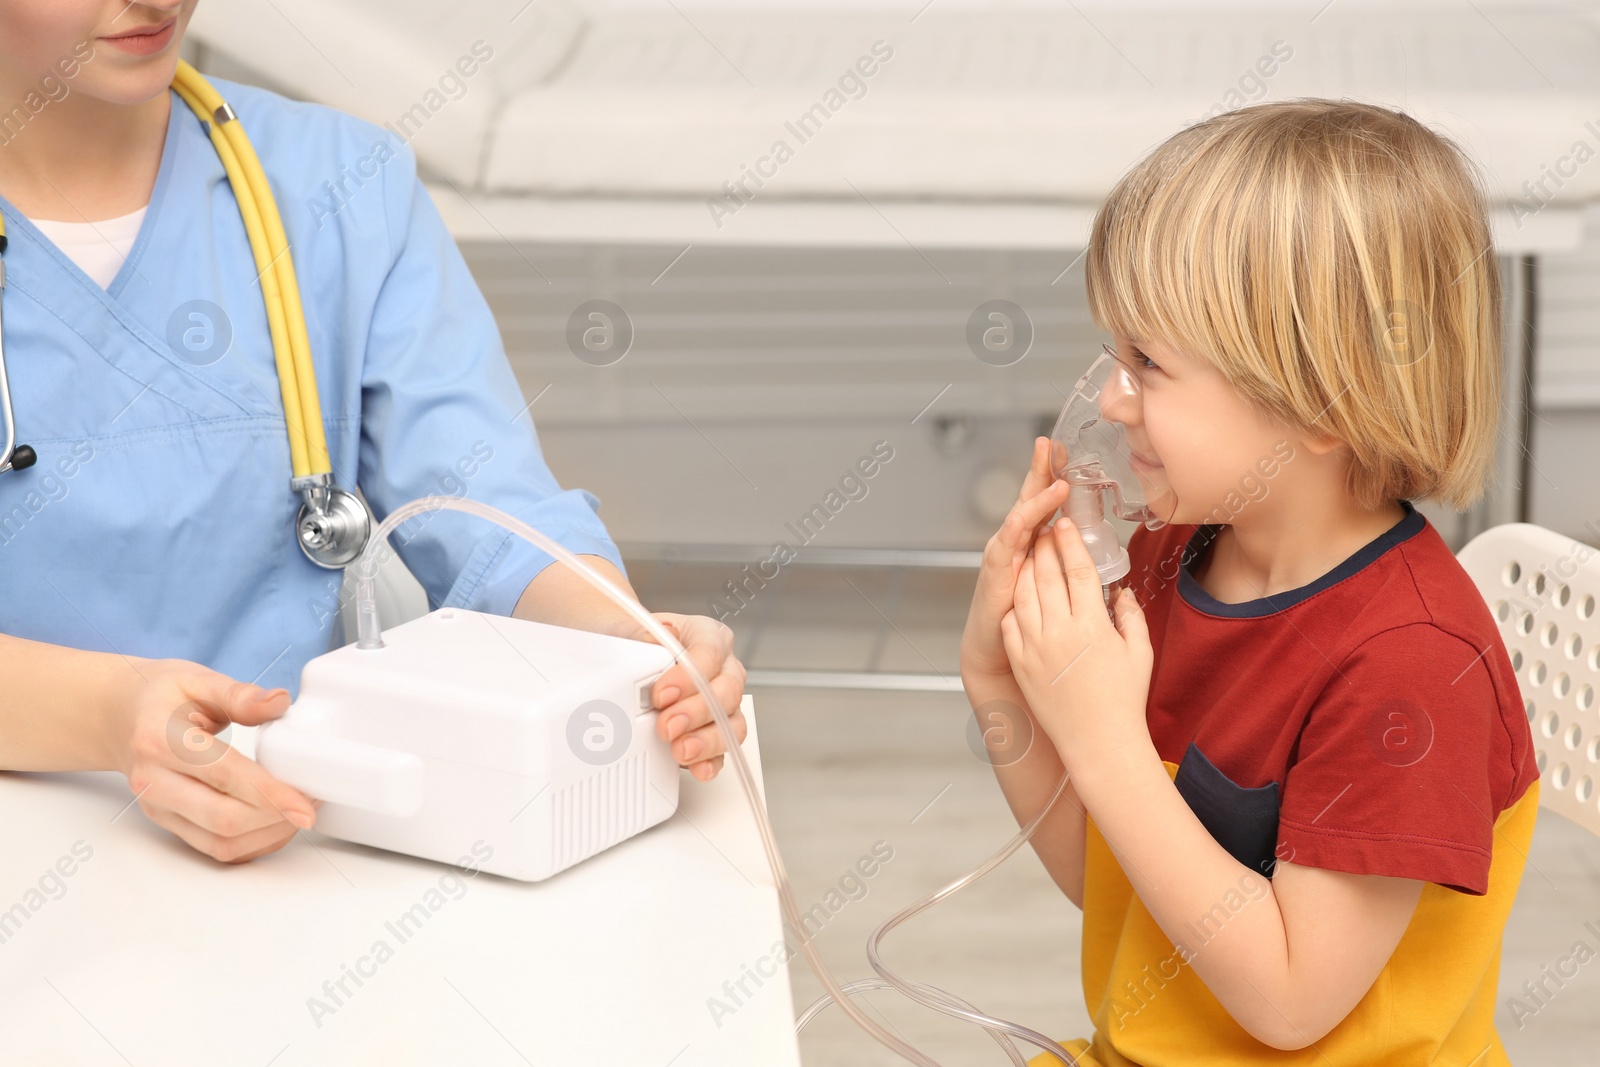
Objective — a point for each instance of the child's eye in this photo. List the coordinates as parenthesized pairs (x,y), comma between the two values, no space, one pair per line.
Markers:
(1144,362)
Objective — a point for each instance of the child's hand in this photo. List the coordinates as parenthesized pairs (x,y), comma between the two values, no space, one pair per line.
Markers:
(1086,681)
(982,650)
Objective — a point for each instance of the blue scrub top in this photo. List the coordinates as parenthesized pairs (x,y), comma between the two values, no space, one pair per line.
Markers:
(158,520)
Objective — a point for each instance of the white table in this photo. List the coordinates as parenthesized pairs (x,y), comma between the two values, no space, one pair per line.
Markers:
(150,954)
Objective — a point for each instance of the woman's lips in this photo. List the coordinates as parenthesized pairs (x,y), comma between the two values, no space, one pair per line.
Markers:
(144,42)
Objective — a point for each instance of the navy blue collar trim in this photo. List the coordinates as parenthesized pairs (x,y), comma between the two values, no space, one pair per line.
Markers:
(1201,539)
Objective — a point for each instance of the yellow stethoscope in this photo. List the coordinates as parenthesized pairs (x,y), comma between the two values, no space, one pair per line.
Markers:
(333,525)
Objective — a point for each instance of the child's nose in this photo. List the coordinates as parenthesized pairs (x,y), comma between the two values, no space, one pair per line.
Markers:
(1120,400)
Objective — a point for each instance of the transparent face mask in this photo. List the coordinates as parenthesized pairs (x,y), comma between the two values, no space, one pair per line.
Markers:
(1099,447)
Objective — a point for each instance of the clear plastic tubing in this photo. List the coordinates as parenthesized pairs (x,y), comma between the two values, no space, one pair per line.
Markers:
(370,635)
(932,996)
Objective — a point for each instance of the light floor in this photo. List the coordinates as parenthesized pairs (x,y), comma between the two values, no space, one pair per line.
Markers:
(848,769)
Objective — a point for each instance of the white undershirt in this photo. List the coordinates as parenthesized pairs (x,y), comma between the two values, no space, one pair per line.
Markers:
(99,248)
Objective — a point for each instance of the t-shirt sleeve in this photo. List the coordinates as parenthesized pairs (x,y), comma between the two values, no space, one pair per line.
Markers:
(1392,773)
(443,414)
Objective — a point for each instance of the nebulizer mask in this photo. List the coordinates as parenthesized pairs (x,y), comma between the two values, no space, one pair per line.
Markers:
(1100,449)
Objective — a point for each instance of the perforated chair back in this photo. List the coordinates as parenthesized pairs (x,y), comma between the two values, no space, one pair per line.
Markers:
(1544,591)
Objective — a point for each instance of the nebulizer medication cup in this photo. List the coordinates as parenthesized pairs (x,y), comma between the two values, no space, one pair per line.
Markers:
(1086,510)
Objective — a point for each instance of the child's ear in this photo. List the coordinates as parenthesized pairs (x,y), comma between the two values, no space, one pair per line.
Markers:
(1320,443)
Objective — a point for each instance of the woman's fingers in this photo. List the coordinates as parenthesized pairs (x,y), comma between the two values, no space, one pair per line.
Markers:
(685,719)
(707,769)
(227,849)
(218,813)
(224,700)
(709,644)
(693,713)
(248,781)
(706,741)
(222,827)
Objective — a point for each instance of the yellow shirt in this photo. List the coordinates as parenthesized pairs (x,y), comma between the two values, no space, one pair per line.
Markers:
(1152,1010)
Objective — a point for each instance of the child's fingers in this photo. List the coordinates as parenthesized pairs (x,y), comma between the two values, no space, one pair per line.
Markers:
(1047,574)
(1083,580)
(1131,622)
(1039,473)
(1002,546)
(1034,512)
(1011,635)
(998,572)
(1027,598)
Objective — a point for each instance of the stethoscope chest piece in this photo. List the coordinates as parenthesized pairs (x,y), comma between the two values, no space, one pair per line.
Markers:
(333,525)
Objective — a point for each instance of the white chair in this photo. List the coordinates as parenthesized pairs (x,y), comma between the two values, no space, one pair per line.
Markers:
(1544,590)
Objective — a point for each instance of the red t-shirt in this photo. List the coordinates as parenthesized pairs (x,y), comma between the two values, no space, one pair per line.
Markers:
(1368,722)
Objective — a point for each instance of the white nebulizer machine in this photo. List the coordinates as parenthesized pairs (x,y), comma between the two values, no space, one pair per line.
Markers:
(464,727)
(459,726)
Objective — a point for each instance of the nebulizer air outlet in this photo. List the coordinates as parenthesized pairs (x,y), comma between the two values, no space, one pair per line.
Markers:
(391,730)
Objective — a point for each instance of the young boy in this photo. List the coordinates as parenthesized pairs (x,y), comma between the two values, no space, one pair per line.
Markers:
(1302,785)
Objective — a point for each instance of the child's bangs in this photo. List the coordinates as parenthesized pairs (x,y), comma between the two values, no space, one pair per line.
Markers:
(1162,263)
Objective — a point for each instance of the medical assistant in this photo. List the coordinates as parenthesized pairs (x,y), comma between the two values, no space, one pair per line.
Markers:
(158,520)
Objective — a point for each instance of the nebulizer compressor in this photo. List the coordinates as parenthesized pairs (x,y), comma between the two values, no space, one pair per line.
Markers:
(428,737)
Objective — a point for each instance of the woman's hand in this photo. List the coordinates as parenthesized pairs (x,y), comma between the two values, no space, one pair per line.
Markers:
(982,650)
(1086,680)
(685,720)
(561,597)
(198,787)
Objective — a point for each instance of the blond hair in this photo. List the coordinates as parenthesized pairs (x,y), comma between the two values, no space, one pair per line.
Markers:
(1333,261)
